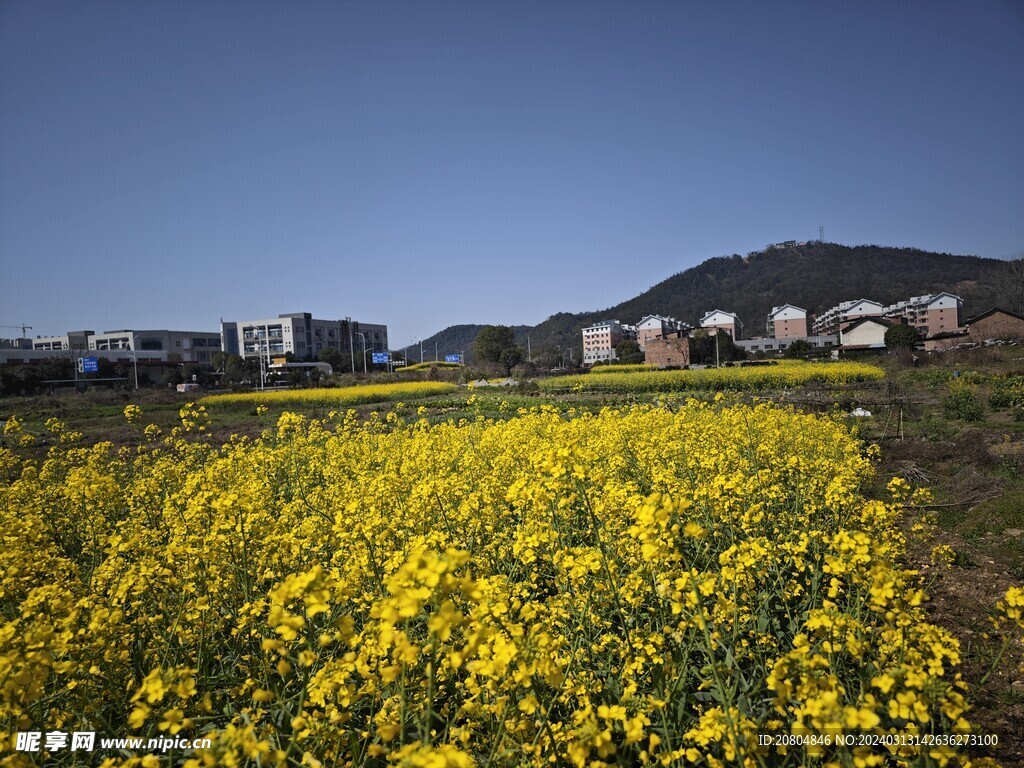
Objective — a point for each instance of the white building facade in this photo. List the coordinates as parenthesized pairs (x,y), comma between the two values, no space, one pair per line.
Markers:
(835,319)
(72,340)
(182,346)
(787,322)
(930,314)
(600,340)
(657,327)
(718,319)
(302,335)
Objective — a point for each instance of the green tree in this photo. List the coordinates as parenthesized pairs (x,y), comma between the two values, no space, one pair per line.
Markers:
(333,358)
(799,348)
(901,337)
(497,344)
(235,369)
(707,348)
(628,352)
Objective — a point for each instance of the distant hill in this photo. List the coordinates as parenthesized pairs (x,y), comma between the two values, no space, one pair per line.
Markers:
(458,339)
(814,276)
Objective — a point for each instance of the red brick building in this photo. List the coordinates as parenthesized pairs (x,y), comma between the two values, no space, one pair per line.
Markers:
(673,351)
(996,324)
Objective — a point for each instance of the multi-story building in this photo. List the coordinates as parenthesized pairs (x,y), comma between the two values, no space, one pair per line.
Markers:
(600,340)
(787,322)
(722,320)
(72,340)
(833,320)
(656,327)
(931,314)
(302,335)
(181,346)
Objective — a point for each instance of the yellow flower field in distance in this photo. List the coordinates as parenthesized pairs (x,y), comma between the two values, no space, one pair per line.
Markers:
(786,373)
(340,397)
(425,366)
(632,587)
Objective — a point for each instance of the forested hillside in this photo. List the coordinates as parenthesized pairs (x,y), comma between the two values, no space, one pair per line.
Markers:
(814,276)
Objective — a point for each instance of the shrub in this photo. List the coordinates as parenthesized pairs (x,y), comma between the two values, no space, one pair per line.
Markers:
(962,403)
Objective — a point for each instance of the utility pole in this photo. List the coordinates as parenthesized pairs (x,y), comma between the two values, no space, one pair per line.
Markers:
(529,353)
(718,362)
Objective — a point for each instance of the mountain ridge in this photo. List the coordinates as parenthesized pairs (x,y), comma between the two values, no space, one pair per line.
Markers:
(813,276)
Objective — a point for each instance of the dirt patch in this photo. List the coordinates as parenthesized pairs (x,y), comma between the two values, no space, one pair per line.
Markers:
(962,601)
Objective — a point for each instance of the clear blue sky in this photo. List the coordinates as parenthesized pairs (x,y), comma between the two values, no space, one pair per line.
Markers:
(169,163)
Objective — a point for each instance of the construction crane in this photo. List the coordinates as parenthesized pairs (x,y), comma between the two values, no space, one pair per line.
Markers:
(22,326)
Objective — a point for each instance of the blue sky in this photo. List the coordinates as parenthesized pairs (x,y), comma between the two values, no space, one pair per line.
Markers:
(166,164)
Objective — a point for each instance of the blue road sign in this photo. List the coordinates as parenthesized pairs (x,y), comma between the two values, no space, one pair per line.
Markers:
(453,358)
(90,365)
(381,358)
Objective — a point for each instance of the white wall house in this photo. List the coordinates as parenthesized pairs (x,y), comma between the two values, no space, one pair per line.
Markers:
(868,333)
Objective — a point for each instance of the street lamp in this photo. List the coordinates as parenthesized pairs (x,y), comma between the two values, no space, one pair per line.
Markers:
(351,344)
(363,336)
(135,360)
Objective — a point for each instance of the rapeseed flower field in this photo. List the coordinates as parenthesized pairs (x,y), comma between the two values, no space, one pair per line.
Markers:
(338,398)
(785,373)
(630,587)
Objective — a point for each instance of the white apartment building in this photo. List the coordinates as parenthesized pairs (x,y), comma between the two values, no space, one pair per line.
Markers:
(931,314)
(787,322)
(600,340)
(302,335)
(833,320)
(657,327)
(721,320)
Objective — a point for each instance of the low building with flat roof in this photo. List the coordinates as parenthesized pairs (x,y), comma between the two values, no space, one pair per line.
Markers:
(71,340)
(181,346)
